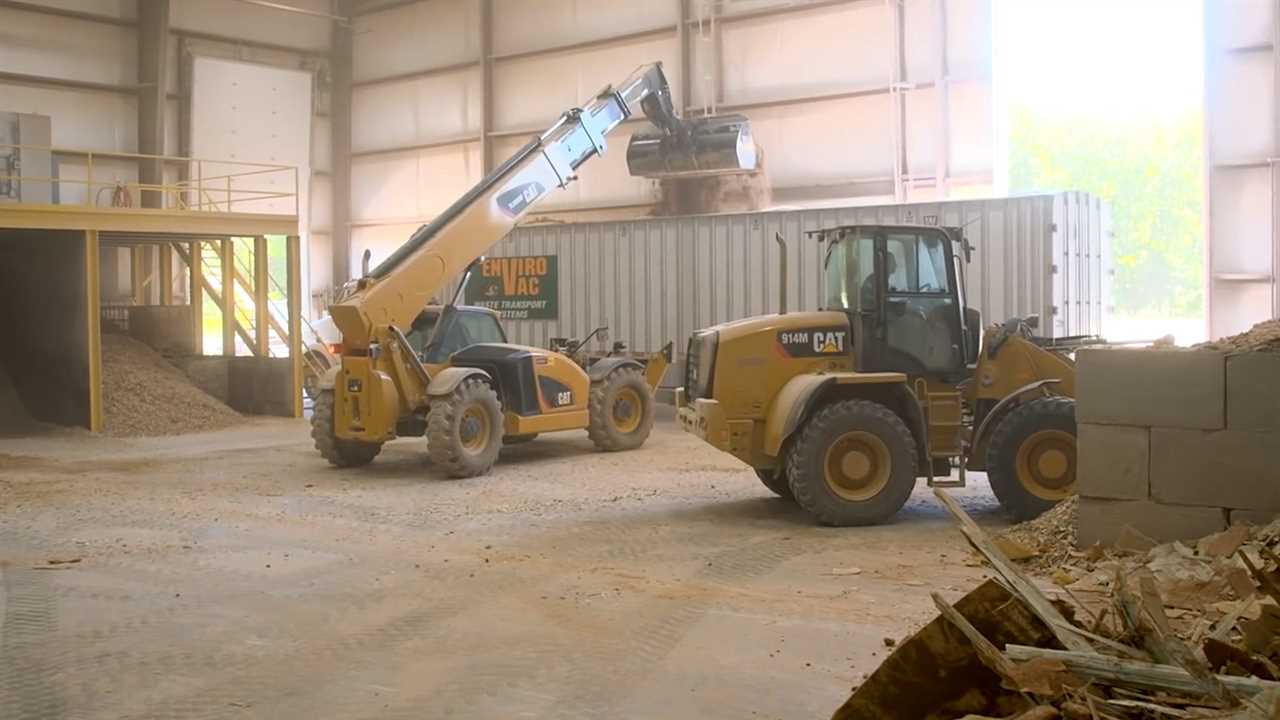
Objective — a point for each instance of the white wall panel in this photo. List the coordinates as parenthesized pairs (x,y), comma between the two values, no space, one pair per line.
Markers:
(533,92)
(411,185)
(126,9)
(74,173)
(922,132)
(46,45)
(853,138)
(321,144)
(416,37)
(81,119)
(1244,83)
(539,24)
(827,50)
(253,22)
(171,127)
(417,111)
(1241,23)
(968,38)
(972,129)
(380,241)
(321,204)
(1241,211)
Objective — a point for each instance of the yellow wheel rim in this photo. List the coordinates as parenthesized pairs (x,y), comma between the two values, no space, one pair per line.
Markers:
(627,410)
(474,429)
(857,466)
(1046,464)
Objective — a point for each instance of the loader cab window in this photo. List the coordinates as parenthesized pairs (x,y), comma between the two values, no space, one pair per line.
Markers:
(851,273)
(469,326)
(921,315)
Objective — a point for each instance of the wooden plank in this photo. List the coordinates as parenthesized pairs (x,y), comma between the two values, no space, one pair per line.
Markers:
(1137,674)
(1036,601)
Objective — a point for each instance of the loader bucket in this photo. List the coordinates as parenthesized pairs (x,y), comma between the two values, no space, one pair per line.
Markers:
(715,145)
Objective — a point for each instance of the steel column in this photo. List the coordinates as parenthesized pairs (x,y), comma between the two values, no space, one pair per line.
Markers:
(486,86)
(227,281)
(683,40)
(896,91)
(137,274)
(340,146)
(93,309)
(293,254)
(153,76)
(166,274)
(261,298)
(942,85)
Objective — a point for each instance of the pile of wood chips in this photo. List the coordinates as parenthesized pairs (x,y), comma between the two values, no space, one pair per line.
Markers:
(1180,630)
(145,395)
(1263,337)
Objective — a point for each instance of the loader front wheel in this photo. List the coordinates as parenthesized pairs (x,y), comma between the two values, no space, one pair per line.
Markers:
(1031,459)
(464,429)
(621,409)
(776,480)
(853,463)
(340,453)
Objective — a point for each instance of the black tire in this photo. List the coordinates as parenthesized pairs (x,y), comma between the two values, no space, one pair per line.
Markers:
(890,474)
(339,453)
(1028,433)
(518,439)
(776,480)
(621,409)
(464,429)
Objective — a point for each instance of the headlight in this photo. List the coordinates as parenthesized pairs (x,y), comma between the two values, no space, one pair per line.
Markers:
(700,363)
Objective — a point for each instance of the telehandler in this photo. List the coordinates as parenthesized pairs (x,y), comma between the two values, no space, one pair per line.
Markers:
(468,400)
(844,408)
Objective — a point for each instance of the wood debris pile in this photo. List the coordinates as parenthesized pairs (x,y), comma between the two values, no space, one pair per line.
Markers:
(1170,631)
(1047,542)
(145,395)
(1263,337)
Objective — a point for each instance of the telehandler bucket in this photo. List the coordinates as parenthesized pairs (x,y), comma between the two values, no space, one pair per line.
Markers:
(714,145)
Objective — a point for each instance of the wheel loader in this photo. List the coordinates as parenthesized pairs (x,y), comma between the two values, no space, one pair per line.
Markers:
(466,389)
(844,409)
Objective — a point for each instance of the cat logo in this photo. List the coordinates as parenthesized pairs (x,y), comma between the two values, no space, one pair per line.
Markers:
(826,343)
(813,342)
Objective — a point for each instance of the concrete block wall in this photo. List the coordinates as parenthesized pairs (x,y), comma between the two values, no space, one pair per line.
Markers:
(1176,444)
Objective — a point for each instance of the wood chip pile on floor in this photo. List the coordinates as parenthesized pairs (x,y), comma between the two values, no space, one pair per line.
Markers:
(1180,630)
(144,395)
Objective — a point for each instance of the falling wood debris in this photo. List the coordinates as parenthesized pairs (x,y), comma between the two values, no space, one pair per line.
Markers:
(1181,630)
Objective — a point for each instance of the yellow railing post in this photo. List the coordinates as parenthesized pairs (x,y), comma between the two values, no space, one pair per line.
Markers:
(261,297)
(136,274)
(228,283)
(89,198)
(92,291)
(166,274)
(195,295)
(293,250)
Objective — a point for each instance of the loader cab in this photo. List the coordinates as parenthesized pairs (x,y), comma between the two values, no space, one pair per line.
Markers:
(903,288)
(468,326)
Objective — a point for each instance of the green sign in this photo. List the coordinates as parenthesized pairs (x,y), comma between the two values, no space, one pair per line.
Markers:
(521,288)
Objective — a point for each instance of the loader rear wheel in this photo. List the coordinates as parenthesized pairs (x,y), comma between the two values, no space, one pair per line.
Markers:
(340,453)
(464,429)
(776,480)
(621,409)
(1031,459)
(853,463)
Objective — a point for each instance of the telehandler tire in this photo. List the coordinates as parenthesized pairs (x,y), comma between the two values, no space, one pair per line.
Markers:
(776,480)
(852,463)
(621,410)
(339,453)
(464,430)
(1031,458)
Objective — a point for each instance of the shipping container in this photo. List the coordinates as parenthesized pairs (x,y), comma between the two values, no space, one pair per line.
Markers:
(656,280)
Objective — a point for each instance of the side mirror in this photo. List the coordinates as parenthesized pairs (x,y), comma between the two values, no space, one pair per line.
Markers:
(1032,321)
(364,262)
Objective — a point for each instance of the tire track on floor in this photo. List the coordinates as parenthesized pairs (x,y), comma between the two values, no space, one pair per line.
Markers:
(29,684)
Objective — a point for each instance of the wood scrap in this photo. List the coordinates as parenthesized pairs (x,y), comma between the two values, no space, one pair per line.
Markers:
(1134,673)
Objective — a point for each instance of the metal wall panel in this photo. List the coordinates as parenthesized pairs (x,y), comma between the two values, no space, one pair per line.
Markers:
(411,185)
(52,46)
(1241,130)
(263,24)
(411,112)
(529,25)
(415,37)
(82,119)
(658,280)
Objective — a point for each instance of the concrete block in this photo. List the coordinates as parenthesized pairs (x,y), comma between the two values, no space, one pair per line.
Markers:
(1257,518)
(1253,391)
(1103,521)
(167,328)
(1237,469)
(1164,388)
(1112,461)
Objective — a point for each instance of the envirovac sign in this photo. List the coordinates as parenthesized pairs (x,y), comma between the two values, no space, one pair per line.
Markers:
(521,288)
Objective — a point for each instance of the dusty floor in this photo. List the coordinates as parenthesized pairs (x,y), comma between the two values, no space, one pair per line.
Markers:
(235,575)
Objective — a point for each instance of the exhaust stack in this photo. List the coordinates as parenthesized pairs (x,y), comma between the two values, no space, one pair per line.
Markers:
(715,145)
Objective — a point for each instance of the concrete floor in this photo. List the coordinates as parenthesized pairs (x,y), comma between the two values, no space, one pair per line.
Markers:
(235,575)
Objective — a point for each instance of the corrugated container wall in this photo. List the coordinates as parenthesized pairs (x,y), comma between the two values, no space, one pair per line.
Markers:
(658,280)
